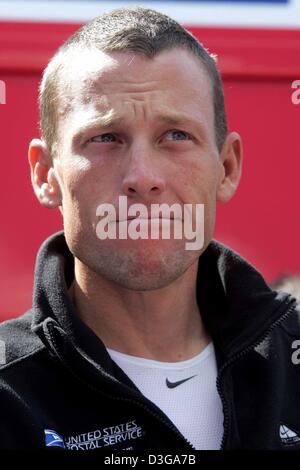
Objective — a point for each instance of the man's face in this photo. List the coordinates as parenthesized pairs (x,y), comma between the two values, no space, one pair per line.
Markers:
(141,128)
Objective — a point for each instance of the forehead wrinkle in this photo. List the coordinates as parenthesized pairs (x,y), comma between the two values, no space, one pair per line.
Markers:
(139,109)
(113,118)
(121,87)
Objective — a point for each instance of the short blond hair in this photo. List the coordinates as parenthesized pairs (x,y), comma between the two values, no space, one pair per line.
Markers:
(139,30)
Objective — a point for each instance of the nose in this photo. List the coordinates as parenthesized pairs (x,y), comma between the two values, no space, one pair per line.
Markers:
(143,176)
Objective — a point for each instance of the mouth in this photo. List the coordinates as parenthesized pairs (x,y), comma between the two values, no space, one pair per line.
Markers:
(171,218)
(150,216)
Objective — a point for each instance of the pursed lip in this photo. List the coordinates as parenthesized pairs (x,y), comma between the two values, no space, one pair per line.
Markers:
(132,217)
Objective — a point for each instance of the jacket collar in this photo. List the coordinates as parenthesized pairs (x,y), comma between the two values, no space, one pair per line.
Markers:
(236,304)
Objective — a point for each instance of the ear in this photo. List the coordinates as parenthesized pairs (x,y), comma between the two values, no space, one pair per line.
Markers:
(43,176)
(231,157)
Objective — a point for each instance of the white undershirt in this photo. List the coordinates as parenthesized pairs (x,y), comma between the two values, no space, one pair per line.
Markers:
(194,406)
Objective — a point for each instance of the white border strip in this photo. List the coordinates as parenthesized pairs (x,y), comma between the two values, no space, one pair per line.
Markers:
(205,14)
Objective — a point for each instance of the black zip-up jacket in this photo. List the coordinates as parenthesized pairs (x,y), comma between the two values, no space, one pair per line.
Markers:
(59,388)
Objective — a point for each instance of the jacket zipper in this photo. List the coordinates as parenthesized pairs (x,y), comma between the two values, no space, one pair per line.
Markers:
(237,357)
(128,400)
(160,418)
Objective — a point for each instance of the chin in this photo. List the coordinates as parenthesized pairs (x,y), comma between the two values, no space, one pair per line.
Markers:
(140,268)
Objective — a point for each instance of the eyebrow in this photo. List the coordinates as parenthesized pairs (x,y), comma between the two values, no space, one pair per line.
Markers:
(173,119)
(112,119)
(104,122)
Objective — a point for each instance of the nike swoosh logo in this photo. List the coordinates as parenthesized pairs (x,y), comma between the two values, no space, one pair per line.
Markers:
(175,384)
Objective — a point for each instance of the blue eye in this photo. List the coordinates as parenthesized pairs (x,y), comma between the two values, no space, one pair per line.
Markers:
(104,138)
(178,135)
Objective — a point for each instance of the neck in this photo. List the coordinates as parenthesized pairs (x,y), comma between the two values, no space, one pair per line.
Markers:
(162,324)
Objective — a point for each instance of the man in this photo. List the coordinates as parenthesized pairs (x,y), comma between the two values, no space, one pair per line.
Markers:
(140,343)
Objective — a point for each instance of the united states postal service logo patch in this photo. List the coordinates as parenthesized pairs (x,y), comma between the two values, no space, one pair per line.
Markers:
(53,439)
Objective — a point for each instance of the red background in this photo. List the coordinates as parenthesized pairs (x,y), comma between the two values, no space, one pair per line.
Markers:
(261,222)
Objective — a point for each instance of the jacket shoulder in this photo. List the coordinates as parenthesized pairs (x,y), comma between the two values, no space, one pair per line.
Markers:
(17,340)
